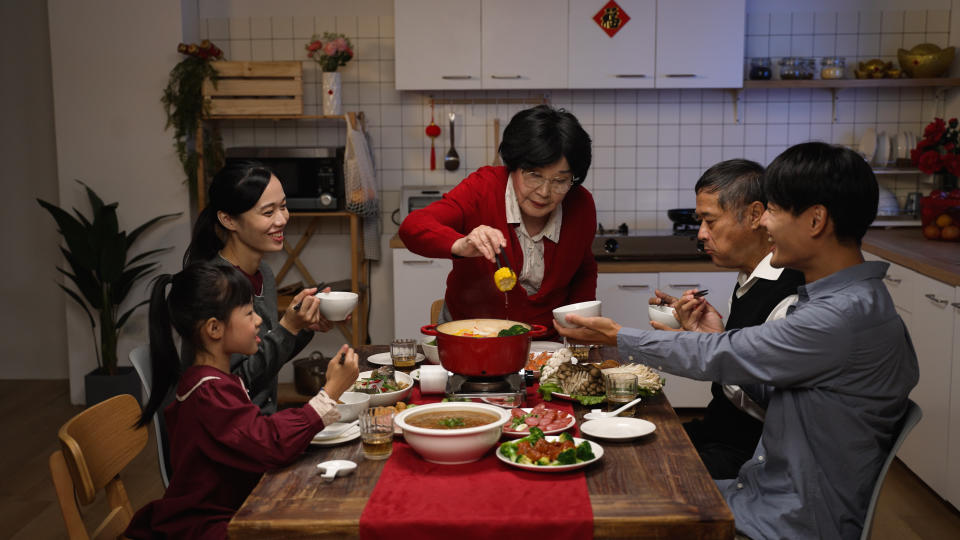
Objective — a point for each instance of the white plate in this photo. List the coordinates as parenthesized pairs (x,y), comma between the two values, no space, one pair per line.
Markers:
(540,346)
(350,435)
(511,433)
(383,359)
(597,454)
(618,428)
(868,144)
(882,155)
(903,152)
(415,374)
(911,142)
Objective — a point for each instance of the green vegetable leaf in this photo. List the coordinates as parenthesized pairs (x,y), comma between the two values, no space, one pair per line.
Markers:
(547,389)
(589,400)
(565,436)
(514,330)
(451,422)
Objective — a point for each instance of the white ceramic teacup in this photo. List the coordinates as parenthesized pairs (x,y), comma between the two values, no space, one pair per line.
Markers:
(336,305)
(663,315)
(433,379)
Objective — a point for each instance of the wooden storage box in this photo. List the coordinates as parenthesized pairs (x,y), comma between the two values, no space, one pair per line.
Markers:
(252,88)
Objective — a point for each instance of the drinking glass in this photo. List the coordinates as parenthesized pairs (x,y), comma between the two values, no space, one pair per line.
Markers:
(403,354)
(376,433)
(622,388)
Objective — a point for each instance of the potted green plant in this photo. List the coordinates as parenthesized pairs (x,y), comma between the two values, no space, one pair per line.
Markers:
(185,107)
(103,275)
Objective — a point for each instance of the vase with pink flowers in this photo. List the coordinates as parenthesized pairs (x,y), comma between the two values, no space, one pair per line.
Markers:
(331,51)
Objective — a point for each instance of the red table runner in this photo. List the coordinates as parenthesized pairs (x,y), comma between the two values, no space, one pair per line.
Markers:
(414,498)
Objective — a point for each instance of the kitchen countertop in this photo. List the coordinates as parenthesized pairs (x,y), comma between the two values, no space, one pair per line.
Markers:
(908,248)
(905,246)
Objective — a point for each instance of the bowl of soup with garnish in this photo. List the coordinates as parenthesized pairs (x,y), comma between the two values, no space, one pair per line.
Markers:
(452,432)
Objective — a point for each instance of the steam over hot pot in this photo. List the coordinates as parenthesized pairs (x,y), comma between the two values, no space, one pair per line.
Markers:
(461,352)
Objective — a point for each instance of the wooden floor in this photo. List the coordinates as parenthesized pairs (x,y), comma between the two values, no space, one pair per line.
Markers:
(31,412)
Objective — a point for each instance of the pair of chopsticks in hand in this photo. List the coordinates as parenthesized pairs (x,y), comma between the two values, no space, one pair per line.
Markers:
(697,294)
(319,286)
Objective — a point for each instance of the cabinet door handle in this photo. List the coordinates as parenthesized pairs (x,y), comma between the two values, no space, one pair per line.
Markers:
(680,75)
(506,76)
(632,287)
(956,305)
(630,75)
(935,299)
(683,285)
(417,262)
(456,77)
(889,279)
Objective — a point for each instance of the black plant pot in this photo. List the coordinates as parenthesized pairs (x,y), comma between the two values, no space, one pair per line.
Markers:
(100,385)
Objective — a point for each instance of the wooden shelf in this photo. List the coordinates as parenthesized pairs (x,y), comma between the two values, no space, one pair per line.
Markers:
(896,170)
(856,83)
(278,117)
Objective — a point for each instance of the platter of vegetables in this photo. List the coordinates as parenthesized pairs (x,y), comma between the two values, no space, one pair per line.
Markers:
(538,452)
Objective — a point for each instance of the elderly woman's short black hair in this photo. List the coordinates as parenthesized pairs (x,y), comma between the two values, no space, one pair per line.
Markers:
(540,136)
(814,173)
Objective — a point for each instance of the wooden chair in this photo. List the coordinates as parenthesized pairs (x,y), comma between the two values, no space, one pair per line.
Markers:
(95,446)
(435,308)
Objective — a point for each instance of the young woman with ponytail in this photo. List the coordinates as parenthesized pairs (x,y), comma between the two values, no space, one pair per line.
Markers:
(244,220)
(220,441)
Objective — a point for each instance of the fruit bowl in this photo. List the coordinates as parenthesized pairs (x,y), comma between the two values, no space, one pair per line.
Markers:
(940,218)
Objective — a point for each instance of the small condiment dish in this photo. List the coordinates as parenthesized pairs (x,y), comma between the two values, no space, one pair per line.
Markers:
(590,308)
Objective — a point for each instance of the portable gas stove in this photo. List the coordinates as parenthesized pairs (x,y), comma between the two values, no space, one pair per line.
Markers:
(504,390)
(621,244)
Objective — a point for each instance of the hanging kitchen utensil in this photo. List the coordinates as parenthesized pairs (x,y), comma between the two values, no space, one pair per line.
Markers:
(433,131)
(496,142)
(452,160)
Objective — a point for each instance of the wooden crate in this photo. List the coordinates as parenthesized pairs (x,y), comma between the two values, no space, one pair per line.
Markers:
(255,88)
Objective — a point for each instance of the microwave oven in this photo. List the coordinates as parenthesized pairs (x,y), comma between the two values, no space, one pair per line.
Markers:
(419,197)
(312,177)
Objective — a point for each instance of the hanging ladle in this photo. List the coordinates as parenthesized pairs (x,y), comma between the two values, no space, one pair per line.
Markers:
(452,160)
(504,278)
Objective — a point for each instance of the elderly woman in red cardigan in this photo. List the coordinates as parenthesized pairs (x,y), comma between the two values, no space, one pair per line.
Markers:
(534,209)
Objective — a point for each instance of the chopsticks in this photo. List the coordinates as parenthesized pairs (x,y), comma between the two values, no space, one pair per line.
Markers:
(320,286)
(698,294)
(501,257)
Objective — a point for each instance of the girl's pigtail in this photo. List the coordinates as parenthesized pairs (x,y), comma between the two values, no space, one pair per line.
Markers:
(164,359)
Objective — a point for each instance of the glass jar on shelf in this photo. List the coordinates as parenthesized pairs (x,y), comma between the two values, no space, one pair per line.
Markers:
(808,68)
(789,68)
(760,69)
(833,67)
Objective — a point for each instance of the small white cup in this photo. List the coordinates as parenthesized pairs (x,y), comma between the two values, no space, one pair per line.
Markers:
(663,315)
(433,379)
(336,305)
(590,308)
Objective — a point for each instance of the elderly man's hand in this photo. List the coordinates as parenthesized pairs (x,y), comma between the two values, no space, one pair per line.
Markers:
(598,330)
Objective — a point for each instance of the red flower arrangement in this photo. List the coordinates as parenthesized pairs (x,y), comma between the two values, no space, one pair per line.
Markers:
(938,151)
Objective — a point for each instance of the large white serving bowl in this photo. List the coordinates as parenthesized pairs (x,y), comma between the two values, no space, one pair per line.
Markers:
(584,309)
(453,446)
(351,405)
(336,305)
(663,315)
(389,398)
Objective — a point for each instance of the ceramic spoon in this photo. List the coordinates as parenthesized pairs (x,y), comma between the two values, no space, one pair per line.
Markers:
(334,430)
(597,414)
(336,467)
(452,160)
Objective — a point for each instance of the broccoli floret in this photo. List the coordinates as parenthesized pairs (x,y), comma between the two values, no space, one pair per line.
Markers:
(544,460)
(584,452)
(567,457)
(524,460)
(509,451)
(565,437)
(535,435)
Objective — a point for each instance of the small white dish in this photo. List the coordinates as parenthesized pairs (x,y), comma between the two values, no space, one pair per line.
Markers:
(663,315)
(336,467)
(868,144)
(545,346)
(617,428)
(383,359)
(349,435)
(590,308)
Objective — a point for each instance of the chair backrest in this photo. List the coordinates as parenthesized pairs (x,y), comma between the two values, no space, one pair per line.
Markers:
(435,308)
(140,358)
(95,446)
(910,419)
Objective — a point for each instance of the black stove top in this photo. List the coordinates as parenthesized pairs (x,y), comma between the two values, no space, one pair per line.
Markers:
(621,244)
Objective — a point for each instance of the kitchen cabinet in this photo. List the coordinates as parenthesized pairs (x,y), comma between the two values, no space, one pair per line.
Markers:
(417,282)
(524,44)
(625,60)
(700,44)
(625,299)
(953,444)
(438,44)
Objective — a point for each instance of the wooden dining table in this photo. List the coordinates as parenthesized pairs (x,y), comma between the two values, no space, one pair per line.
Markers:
(651,487)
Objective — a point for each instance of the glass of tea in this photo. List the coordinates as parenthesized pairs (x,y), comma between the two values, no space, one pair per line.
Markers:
(622,388)
(403,354)
(376,432)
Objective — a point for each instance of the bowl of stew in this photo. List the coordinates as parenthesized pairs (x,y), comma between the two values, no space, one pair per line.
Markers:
(453,432)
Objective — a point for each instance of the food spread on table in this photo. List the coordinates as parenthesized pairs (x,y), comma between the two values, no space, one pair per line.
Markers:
(584,382)
(537,360)
(380,381)
(546,419)
(536,449)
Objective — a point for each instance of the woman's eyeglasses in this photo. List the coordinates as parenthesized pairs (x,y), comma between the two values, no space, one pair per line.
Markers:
(559,184)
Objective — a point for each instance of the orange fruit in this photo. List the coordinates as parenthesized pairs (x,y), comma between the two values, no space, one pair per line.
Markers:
(931,232)
(950,233)
(943,220)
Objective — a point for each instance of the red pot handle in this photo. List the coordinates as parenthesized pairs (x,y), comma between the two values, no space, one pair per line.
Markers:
(537,330)
(431,330)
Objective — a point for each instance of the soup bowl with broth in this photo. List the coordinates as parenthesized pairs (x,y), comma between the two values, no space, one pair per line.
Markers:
(453,432)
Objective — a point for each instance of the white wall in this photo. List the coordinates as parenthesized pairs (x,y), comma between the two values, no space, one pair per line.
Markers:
(110,61)
(33,345)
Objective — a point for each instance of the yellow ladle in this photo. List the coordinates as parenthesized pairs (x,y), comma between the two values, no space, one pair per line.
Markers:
(504,278)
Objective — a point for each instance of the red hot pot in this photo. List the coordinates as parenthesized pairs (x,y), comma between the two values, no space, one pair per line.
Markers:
(482,356)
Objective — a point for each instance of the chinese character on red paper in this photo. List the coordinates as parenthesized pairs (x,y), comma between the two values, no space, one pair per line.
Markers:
(611,18)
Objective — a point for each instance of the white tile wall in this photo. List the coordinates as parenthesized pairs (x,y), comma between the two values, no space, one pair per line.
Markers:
(650,146)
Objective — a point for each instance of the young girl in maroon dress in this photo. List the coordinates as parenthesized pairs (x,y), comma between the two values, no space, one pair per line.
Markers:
(220,442)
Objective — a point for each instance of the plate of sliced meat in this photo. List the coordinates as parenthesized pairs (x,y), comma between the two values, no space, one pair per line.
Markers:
(550,421)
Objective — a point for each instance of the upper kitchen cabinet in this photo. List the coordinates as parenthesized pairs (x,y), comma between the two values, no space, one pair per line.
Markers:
(524,44)
(437,44)
(700,44)
(617,52)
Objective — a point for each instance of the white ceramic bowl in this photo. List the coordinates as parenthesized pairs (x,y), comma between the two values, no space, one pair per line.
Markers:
(336,305)
(431,351)
(584,309)
(453,446)
(389,398)
(663,315)
(353,403)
